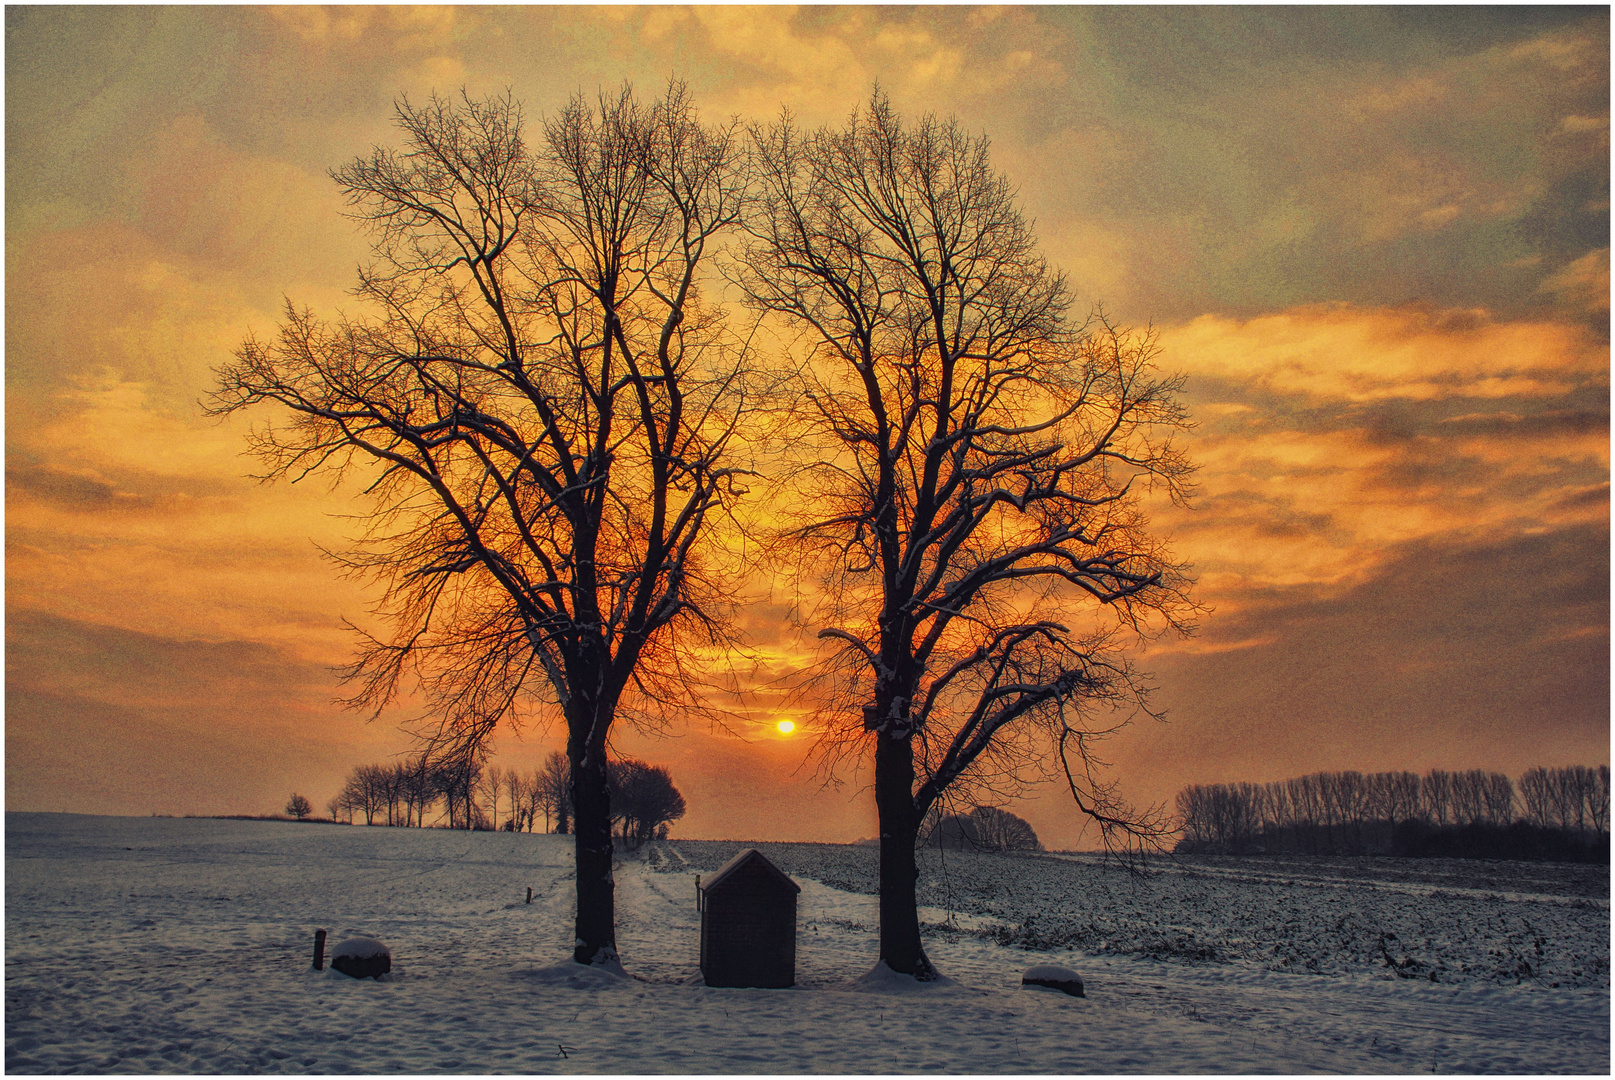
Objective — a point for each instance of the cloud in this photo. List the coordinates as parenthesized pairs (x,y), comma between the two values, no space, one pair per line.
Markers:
(1356,354)
(1254,158)
(1582,284)
(1329,435)
(90,491)
(1581,125)
(403,28)
(820,62)
(1594,497)
(118,509)
(1405,166)
(1507,425)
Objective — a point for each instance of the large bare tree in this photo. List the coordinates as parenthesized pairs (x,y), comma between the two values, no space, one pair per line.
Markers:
(971,470)
(541,408)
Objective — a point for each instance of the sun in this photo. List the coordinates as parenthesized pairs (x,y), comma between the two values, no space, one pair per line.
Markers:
(785,727)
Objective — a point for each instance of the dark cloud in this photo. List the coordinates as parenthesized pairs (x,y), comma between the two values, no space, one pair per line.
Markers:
(1293,155)
(57,485)
(1583,409)
(1201,50)
(1264,515)
(1508,425)
(1591,497)
(90,491)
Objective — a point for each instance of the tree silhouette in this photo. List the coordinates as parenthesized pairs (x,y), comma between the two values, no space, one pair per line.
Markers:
(553,783)
(983,828)
(299,807)
(540,406)
(643,799)
(971,478)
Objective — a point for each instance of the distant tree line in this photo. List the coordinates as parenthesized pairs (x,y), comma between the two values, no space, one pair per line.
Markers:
(474,795)
(1560,813)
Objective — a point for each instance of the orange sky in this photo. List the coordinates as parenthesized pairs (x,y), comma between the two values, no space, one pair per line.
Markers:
(1376,240)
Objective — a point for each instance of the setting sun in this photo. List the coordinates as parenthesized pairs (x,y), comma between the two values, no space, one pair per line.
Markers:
(785,727)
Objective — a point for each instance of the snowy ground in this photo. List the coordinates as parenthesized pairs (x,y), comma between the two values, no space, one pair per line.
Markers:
(158,945)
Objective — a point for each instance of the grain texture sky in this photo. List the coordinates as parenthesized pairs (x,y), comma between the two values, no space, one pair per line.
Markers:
(1375,239)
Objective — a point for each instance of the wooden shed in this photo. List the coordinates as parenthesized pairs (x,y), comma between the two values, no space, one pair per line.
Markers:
(748,923)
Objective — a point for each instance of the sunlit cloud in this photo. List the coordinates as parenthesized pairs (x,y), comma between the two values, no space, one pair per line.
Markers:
(820,62)
(400,28)
(1331,436)
(1420,353)
(1584,283)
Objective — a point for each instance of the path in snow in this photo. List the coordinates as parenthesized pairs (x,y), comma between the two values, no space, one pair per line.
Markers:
(158,945)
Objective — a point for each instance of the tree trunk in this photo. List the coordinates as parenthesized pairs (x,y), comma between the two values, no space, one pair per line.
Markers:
(596,937)
(899,874)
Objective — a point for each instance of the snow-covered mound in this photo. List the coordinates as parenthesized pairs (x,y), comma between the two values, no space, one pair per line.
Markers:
(362,958)
(360,948)
(1053,977)
(182,946)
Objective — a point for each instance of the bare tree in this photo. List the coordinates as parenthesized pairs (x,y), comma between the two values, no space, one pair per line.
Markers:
(1559,798)
(1598,808)
(1469,796)
(971,477)
(367,790)
(554,785)
(339,805)
(457,780)
(1498,798)
(1585,786)
(541,406)
(416,788)
(1435,794)
(299,807)
(1404,796)
(491,785)
(516,790)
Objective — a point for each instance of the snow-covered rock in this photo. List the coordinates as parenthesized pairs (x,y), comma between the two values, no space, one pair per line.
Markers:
(362,958)
(1054,977)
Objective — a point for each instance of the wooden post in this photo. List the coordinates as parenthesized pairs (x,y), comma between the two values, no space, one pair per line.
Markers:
(319,950)
(529,894)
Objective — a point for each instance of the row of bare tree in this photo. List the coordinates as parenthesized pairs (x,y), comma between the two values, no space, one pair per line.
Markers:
(465,794)
(1574,797)
(644,801)
(1234,815)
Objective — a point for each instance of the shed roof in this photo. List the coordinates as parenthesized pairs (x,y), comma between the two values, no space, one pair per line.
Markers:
(748,856)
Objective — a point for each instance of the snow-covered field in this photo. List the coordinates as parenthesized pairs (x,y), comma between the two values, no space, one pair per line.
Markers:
(160,945)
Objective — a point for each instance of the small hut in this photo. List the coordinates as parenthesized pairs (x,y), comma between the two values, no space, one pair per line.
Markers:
(748,924)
